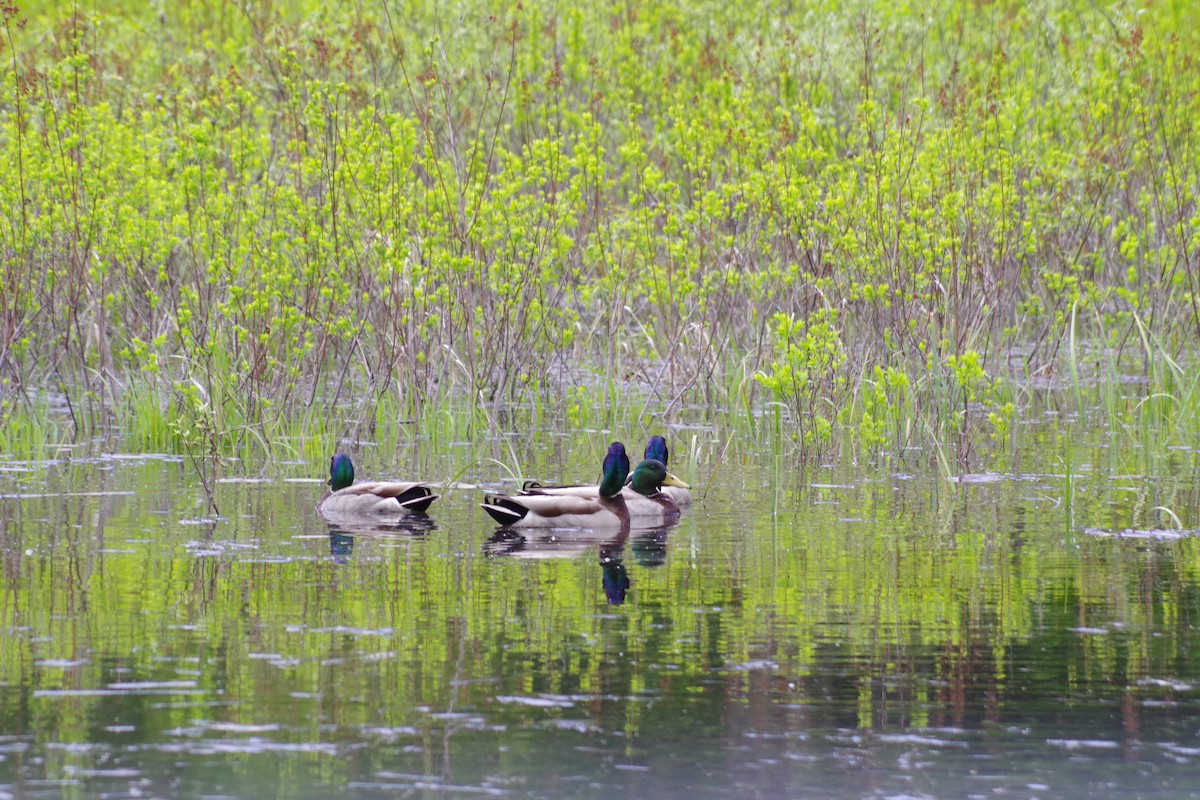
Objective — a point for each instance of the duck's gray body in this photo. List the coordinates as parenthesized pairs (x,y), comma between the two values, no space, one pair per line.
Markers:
(376,500)
(379,499)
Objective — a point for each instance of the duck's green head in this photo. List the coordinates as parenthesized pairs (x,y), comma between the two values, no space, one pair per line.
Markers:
(651,475)
(341,472)
(616,470)
(656,448)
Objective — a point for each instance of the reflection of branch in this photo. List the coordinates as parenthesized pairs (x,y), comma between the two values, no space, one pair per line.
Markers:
(207,480)
(447,771)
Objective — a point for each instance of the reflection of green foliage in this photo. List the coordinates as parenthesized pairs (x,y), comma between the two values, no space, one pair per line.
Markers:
(918,595)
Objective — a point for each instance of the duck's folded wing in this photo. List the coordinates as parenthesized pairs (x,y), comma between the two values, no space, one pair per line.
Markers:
(587,492)
(411,495)
(545,510)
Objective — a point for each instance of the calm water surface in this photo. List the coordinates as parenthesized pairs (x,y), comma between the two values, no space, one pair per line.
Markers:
(841,631)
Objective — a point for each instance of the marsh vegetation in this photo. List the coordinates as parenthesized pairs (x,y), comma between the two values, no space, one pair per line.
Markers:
(847,228)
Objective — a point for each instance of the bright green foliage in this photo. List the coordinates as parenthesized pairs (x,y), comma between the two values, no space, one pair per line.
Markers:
(968,374)
(886,409)
(1002,422)
(810,354)
(302,206)
(806,372)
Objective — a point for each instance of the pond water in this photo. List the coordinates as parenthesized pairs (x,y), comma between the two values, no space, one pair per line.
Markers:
(835,631)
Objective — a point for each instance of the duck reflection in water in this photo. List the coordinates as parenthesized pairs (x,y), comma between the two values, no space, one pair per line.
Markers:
(649,549)
(615,578)
(341,545)
(342,537)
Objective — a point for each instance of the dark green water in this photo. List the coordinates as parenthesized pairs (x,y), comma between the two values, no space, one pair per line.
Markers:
(839,631)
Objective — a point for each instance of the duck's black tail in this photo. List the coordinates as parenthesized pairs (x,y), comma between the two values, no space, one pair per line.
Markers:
(417,499)
(503,509)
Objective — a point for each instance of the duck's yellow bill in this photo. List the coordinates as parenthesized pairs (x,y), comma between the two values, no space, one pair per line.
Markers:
(671,480)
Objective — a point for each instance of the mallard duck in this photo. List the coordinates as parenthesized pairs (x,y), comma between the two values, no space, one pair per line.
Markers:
(640,502)
(372,500)
(656,449)
(613,474)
